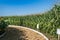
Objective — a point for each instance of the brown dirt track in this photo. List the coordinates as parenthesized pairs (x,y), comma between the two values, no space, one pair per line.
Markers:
(17,33)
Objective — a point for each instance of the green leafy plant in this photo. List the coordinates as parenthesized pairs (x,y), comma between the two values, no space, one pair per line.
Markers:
(3,25)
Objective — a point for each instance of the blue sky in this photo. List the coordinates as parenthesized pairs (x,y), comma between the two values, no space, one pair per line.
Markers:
(24,7)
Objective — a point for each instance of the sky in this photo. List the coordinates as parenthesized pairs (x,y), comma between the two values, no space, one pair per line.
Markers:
(24,7)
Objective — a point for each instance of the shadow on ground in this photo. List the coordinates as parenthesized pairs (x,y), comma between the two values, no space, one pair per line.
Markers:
(13,34)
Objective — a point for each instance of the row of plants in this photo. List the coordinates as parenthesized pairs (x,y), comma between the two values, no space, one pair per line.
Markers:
(48,21)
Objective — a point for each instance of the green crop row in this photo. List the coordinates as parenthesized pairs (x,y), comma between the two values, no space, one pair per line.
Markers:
(48,21)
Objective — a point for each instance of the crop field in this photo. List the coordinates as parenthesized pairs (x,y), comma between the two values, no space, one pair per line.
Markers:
(48,21)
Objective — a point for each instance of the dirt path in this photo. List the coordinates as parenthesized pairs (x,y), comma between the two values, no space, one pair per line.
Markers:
(17,33)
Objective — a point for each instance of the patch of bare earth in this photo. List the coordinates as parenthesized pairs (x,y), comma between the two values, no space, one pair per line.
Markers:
(17,33)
